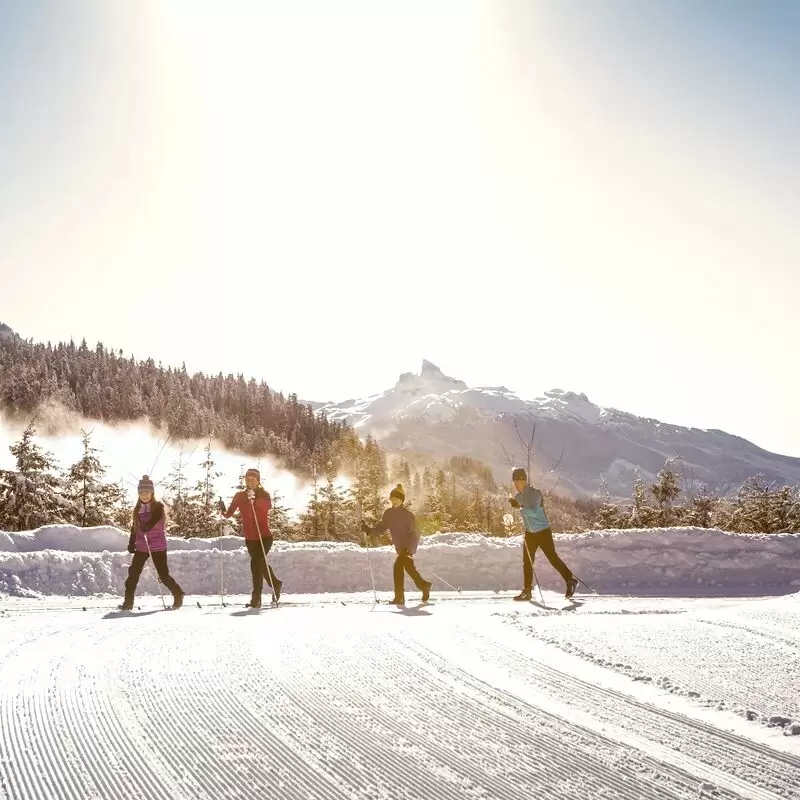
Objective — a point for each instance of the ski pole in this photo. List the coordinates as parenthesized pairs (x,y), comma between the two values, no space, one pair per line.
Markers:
(153,565)
(454,588)
(263,550)
(221,574)
(369,554)
(590,588)
(533,570)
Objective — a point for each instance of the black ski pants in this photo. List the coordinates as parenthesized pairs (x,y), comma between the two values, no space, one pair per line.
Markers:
(258,566)
(544,540)
(402,564)
(162,569)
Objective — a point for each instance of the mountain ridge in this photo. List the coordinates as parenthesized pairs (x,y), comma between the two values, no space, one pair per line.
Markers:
(433,412)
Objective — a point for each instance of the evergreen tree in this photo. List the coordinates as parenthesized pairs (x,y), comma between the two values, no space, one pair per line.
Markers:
(666,492)
(32,495)
(753,507)
(279,522)
(94,500)
(608,516)
(642,515)
(198,514)
(337,511)
(702,507)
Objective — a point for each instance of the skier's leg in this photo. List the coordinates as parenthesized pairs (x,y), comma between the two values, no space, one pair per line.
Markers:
(256,569)
(549,549)
(529,546)
(162,568)
(545,541)
(269,575)
(134,573)
(399,580)
(420,582)
(411,568)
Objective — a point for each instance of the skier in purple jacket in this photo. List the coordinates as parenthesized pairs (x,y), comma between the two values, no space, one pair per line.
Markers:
(402,524)
(149,538)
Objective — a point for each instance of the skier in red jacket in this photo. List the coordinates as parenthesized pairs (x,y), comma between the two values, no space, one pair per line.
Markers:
(253,504)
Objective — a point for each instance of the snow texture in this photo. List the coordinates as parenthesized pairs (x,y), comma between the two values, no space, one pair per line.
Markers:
(461,698)
(64,560)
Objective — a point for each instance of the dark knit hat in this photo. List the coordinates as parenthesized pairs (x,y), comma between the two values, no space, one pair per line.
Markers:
(519,474)
(146,485)
(255,473)
(398,491)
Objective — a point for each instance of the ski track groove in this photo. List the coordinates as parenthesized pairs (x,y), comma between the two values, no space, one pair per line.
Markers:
(178,718)
(130,775)
(44,755)
(554,754)
(223,699)
(510,708)
(294,707)
(752,758)
(675,672)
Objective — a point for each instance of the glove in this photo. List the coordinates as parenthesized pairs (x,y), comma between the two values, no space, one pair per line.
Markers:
(251,495)
(221,507)
(132,545)
(514,503)
(366,528)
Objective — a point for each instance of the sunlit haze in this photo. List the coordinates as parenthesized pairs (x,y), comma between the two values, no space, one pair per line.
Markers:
(601,197)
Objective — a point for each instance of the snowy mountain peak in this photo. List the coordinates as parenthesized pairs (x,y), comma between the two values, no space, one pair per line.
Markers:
(434,413)
(430,380)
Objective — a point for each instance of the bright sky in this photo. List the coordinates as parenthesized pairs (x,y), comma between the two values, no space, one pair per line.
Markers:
(600,197)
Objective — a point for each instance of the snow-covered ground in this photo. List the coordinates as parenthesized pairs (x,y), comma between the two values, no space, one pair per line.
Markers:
(471,696)
(466,697)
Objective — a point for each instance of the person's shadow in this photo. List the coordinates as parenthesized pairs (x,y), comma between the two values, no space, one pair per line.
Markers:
(131,614)
(249,612)
(402,611)
(573,606)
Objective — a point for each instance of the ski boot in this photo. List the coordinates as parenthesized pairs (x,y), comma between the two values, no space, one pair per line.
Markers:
(177,599)
(397,601)
(276,590)
(127,604)
(255,601)
(524,595)
(426,592)
(572,585)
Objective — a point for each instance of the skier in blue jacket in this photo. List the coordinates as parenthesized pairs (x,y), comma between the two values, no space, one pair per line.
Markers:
(538,533)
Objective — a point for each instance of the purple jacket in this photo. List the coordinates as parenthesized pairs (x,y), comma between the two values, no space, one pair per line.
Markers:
(150,523)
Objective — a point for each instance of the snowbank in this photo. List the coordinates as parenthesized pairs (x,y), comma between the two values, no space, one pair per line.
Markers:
(64,560)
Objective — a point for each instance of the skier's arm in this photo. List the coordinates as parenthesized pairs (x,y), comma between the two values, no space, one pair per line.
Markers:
(380,527)
(231,508)
(269,500)
(530,498)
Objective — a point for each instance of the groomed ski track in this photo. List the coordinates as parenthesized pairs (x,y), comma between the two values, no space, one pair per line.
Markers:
(458,699)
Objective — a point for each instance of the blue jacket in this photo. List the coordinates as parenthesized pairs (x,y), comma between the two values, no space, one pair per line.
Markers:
(533,516)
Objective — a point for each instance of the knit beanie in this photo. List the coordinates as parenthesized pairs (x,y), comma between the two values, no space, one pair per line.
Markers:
(398,492)
(255,473)
(519,474)
(146,485)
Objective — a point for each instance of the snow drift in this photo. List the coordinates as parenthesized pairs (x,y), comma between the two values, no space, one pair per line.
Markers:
(65,560)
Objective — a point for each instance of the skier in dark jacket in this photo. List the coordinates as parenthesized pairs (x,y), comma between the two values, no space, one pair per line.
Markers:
(403,526)
(149,538)
(538,534)
(253,504)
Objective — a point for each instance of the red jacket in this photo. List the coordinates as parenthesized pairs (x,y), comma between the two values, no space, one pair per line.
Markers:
(261,505)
